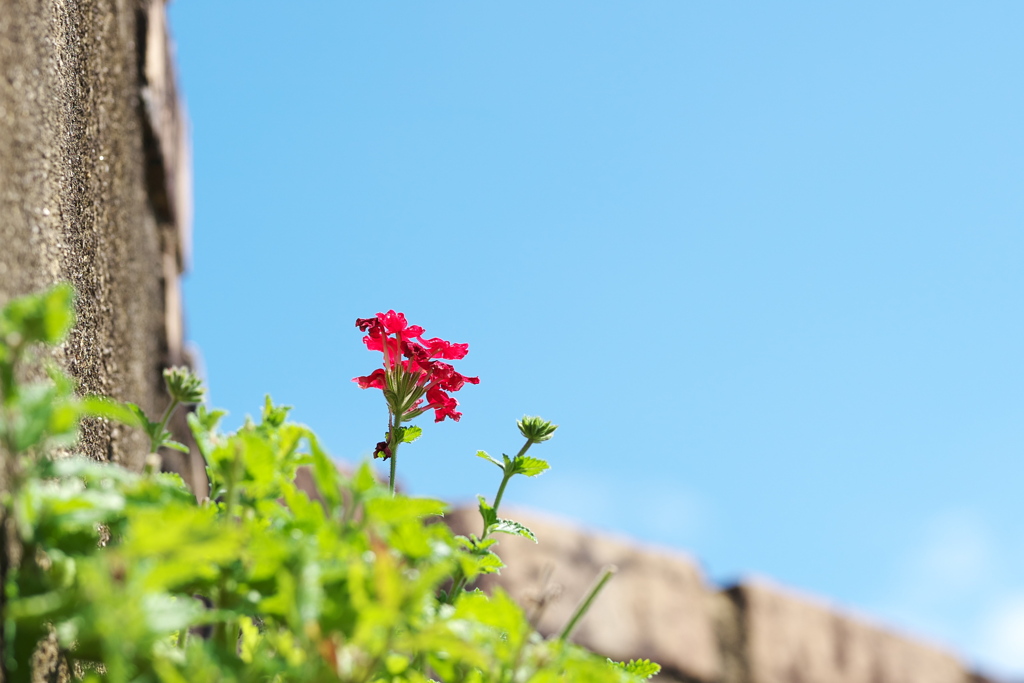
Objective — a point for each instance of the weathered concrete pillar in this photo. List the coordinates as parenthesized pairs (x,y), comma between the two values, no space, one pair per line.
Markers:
(95,190)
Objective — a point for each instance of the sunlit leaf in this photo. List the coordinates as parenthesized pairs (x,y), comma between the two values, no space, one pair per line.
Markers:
(508,526)
(642,668)
(485,456)
(411,433)
(530,466)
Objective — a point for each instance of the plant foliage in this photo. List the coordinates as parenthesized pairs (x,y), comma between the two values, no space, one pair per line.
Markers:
(137,580)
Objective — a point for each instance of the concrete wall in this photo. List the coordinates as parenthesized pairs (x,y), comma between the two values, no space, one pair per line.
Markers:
(95,190)
(659,606)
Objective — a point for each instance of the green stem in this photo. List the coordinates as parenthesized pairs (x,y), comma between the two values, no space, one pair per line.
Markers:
(457,587)
(224,629)
(394,438)
(497,499)
(154,445)
(505,479)
(581,609)
(231,495)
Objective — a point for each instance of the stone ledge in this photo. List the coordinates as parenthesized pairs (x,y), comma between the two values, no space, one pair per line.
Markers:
(789,638)
(656,607)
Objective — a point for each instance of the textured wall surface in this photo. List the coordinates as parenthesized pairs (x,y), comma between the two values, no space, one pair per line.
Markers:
(94,190)
(655,603)
(660,607)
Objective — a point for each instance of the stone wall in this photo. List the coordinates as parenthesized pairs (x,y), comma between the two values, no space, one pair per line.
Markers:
(95,190)
(659,606)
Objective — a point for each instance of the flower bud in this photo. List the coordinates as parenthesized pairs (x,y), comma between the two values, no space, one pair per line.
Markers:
(183,385)
(535,429)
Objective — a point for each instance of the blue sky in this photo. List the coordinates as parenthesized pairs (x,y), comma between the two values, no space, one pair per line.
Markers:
(760,261)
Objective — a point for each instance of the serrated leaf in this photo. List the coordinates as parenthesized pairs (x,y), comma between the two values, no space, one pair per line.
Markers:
(273,416)
(643,668)
(485,456)
(489,515)
(510,526)
(530,467)
(175,445)
(473,544)
(411,433)
(483,563)
(141,419)
(206,419)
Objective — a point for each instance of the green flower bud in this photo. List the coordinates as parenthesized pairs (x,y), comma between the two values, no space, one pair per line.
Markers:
(535,429)
(183,385)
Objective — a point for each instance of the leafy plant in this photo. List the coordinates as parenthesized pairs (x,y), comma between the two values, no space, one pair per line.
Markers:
(135,579)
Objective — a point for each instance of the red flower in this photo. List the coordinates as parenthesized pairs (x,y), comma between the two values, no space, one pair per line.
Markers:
(375,380)
(408,355)
(439,348)
(443,404)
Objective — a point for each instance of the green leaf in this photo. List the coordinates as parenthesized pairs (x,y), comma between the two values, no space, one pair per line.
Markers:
(206,420)
(473,544)
(203,424)
(499,612)
(250,641)
(325,473)
(488,513)
(387,509)
(485,562)
(411,433)
(364,480)
(274,416)
(509,526)
(45,415)
(643,668)
(88,470)
(45,317)
(530,467)
(176,445)
(485,456)
(101,406)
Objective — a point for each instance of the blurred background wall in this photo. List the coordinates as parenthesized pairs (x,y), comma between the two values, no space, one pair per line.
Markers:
(95,190)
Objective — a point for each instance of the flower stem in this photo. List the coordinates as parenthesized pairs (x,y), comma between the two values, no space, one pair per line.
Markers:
(394,438)
(508,475)
(154,443)
(606,574)
(501,492)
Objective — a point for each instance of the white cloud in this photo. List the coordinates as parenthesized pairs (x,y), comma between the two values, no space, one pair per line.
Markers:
(652,511)
(954,558)
(1002,636)
(943,575)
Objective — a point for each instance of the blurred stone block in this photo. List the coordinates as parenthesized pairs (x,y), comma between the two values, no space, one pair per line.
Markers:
(169,171)
(656,606)
(788,638)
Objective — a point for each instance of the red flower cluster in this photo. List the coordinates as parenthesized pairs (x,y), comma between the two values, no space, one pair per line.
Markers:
(408,355)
